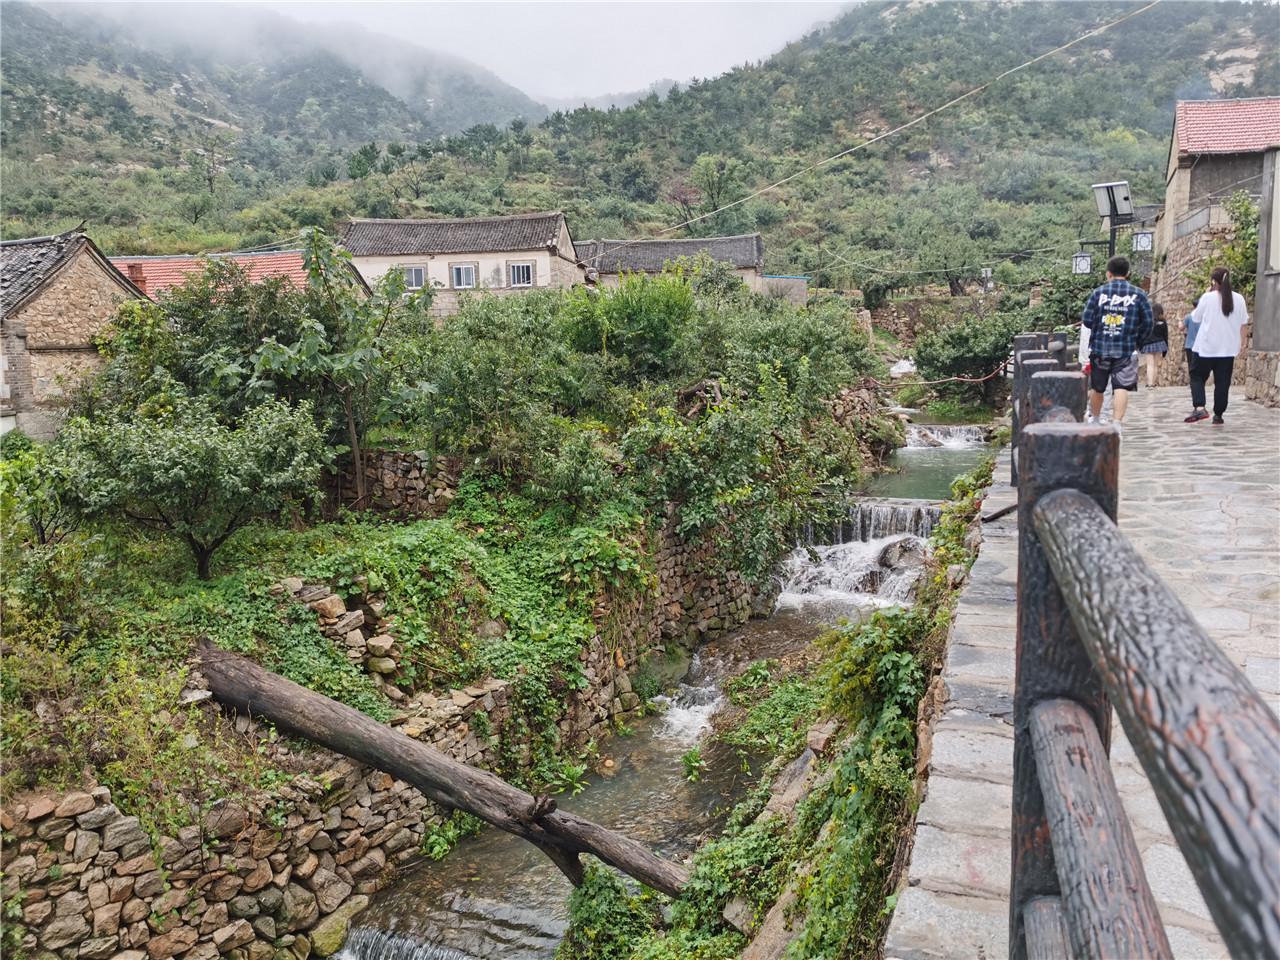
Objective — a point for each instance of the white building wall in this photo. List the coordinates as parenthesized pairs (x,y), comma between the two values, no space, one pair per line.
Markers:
(491,268)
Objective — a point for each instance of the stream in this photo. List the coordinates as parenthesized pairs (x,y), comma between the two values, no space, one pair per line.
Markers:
(496,896)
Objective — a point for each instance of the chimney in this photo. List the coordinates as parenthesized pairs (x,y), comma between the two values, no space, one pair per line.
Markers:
(136,276)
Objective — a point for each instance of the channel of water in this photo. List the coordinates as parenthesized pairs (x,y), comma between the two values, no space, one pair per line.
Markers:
(496,896)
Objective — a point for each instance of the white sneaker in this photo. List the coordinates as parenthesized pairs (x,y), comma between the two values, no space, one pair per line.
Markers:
(1118,425)
(1089,418)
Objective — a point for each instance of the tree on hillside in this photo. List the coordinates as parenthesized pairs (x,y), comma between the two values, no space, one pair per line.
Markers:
(351,350)
(174,467)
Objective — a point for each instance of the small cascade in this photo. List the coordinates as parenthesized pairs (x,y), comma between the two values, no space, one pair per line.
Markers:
(366,943)
(874,518)
(882,571)
(688,712)
(953,436)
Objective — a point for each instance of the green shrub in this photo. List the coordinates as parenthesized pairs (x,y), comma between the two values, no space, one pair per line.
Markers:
(604,919)
(971,347)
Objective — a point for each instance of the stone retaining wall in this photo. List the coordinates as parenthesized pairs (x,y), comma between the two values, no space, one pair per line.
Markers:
(283,879)
(405,483)
(1262,377)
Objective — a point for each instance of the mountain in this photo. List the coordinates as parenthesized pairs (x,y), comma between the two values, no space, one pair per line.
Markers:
(103,78)
(204,144)
(604,101)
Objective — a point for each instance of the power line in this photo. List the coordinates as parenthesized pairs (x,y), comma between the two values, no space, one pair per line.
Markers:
(884,136)
(998,258)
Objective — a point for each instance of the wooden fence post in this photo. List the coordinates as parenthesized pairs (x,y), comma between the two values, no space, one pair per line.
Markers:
(1055,395)
(1051,660)
(1026,346)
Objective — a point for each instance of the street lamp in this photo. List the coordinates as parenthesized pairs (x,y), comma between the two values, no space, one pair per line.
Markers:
(1143,241)
(1115,206)
(1082,263)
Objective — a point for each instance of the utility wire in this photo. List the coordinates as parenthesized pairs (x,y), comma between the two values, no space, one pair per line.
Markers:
(884,136)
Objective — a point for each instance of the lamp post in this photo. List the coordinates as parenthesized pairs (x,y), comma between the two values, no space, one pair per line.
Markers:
(1114,206)
(1082,263)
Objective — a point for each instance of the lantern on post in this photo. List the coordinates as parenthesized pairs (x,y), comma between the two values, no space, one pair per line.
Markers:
(1082,263)
(1143,241)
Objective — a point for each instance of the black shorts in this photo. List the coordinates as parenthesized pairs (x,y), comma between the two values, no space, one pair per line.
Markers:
(1122,372)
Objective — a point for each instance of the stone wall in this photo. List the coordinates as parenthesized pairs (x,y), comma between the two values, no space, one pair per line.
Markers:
(282,879)
(405,483)
(1177,286)
(1262,377)
(48,343)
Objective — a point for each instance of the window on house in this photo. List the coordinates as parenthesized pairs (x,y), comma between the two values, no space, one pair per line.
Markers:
(463,275)
(414,278)
(521,274)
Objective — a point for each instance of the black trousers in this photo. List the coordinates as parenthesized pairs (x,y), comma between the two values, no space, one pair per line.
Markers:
(1221,368)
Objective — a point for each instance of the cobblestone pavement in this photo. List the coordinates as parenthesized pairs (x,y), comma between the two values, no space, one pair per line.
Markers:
(1202,505)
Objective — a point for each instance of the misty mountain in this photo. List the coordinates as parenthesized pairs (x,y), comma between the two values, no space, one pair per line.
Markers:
(659,88)
(123,75)
(237,137)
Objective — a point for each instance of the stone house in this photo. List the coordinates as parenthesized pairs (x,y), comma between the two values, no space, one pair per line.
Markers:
(1217,148)
(56,295)
(497,255)
(612,258)
(155,275)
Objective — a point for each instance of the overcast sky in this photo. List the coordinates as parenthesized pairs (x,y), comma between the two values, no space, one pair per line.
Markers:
(550,48)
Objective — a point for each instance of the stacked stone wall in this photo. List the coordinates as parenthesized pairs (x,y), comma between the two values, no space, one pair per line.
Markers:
(282,879)
(1262,377)
(1177,287)
(48,343)
(405,483)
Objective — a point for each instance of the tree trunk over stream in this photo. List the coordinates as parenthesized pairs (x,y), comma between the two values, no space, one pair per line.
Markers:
(243,685)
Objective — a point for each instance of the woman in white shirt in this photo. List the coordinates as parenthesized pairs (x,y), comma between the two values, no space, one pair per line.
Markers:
(1222,315)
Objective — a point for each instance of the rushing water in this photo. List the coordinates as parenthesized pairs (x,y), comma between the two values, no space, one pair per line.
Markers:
(496,896)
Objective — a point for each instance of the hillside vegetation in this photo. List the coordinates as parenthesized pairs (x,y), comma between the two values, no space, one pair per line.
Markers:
(115,135)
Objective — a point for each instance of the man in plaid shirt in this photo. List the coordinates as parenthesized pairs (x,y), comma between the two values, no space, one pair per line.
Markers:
(1118,316)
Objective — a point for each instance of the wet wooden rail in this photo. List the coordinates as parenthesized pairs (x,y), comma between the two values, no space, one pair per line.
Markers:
(1098,629)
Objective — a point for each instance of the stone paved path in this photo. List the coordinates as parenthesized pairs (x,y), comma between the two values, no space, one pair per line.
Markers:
(1202,505)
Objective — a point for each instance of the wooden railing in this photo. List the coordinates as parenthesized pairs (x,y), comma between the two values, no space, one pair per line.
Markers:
(1098,629)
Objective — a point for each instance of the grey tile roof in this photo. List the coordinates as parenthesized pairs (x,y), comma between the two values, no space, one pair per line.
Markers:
(26,264)
(526,231)
(649,256)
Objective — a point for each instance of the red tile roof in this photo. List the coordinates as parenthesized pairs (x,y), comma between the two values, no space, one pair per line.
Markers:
(161,273)
(1227,126)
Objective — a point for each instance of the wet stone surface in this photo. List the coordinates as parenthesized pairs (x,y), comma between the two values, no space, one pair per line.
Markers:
(1202,505)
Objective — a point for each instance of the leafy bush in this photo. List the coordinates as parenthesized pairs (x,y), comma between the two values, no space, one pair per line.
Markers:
(605,919)
(972,347)
(175,468)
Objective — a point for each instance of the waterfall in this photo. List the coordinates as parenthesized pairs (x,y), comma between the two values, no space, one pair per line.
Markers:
(366,943)
(956,437)
(689,711)
(882,571)
(874,518)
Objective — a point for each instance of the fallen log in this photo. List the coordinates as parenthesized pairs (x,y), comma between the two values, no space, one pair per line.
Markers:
(244,686)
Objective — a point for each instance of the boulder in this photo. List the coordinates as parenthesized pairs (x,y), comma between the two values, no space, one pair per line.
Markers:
(178,940)
(330,607)
(225,819)
(124,832)
(99,817)
(98,948)
(331,932)
(330,890)
(64,931)
(299,908)
(380,645)
(233,935)
(74,804)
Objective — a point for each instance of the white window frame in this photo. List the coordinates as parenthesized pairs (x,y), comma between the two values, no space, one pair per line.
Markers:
(408,270)
(512,266)
(453,275)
